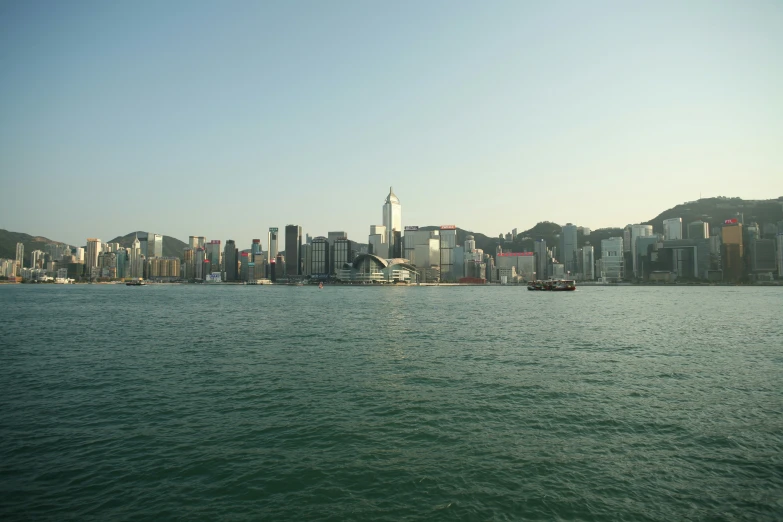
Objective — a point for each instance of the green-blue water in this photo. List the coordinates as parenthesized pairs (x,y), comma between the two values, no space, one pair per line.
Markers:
(291,403)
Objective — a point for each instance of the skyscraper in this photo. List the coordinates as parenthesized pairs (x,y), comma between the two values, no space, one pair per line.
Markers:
(230,260)
(36,259)
(340,254)
(421,247)
(542,258)
(155,246)
(196,242)
(377,241)
(213,255)
(19,264)
(392,220)
(307,258)
(320,257)
(122,263)
(568,248)
(698,230)
(448,241)
(334,236)
(762,256)
(272,244)
(200,264)
(779,254)
(293,249)
(142,237)
(672,228)
(612,259)
(587,263)
(732,251)
(245,264)
(189,258)
(470,244)
(91,255)
(638,231)
(136,267)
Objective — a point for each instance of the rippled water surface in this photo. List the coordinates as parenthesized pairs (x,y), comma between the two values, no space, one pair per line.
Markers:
(471,403)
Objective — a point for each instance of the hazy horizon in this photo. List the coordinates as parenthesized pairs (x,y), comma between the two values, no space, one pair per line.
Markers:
(221,120)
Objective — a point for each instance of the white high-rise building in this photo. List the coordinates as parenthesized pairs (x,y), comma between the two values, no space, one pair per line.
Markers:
(195,242)
(7,267)
(136,259)
(35,257)
(392,220)
(79,254)
(672,228)
(91,255)
(19,259)
(154,246)
(271,242)
(587,262)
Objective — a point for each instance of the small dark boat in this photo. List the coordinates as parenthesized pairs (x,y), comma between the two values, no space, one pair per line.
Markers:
(553,285)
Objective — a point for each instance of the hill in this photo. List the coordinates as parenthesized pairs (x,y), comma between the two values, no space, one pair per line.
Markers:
(8,241)
(711,210)
(172,247)
(716,210)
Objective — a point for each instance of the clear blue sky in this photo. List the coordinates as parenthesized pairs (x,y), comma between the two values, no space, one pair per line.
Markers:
(222,119)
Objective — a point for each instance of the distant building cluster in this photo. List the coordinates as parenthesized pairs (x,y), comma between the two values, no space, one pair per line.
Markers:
(732,251)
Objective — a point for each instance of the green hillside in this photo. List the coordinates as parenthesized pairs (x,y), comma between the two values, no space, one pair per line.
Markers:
(172,247)
(8,241)
(716,210)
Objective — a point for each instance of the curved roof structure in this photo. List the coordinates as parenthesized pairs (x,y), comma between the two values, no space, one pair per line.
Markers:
(362,257)
(384,263)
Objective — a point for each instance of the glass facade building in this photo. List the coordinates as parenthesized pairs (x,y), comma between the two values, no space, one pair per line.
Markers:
(343,254)
(319,265)
(448,241)
(293,249)
(214,255)
(568,248)
(230,261)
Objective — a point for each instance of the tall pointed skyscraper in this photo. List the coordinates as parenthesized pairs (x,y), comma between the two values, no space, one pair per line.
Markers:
(392,220)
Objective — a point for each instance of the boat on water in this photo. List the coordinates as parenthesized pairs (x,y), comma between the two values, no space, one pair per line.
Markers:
(137,282)
(320,286)
(552,285)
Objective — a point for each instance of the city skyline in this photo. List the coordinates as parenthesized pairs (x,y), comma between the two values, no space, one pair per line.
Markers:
(262,231)
(144,114)
(396,253)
